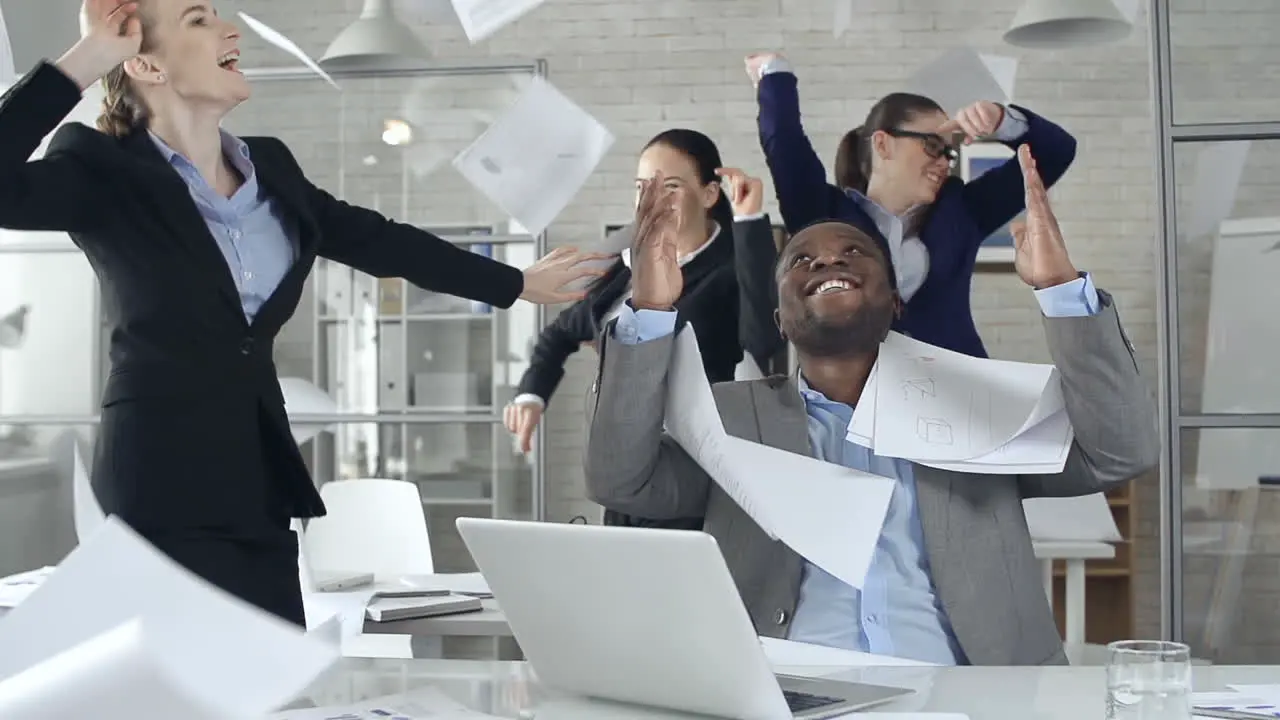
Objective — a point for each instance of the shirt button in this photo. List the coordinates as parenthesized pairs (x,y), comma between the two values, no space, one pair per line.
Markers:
(246,346)
(780,618)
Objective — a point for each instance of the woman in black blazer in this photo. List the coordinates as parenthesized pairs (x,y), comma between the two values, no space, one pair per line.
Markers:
(201,243)
(725,294)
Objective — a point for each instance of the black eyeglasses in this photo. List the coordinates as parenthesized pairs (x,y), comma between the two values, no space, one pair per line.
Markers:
(935,146)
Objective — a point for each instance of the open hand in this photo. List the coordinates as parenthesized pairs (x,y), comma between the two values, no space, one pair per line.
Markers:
(113,27)
(545,280)
(656,280)
(1040,253)
(521,419)
(746,193)
(977,121)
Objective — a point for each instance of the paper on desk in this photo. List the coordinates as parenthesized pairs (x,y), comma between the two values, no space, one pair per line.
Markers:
(278,39)
(482,18)
(829,514)
(115,576)
(1087,518)
(424,704)
(88,513)
(303,397)
(1263,700)
(536,157)
(961,76)
(8,73)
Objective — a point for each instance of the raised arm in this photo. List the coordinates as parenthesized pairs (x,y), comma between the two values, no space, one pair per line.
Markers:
(60,192)
(755,256)
(630,464)
(1105,397)
(996,197)
(799,179)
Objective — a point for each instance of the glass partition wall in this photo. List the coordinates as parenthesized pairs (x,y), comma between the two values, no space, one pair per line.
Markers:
(419,380)
(1217,112)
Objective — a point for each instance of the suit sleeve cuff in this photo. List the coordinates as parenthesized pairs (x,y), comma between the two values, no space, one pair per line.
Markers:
(775,65)
(639,326)
(748,218)
(529,399)
(1078,298)
(1013,126)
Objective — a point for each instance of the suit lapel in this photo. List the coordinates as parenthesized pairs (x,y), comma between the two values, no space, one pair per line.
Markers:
(182,215)
(290,190)
(781,416)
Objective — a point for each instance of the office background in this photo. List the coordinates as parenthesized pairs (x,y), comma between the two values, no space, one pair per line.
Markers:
(642,66)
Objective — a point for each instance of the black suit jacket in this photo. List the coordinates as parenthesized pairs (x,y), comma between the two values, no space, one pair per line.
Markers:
(194,435)
(729,296)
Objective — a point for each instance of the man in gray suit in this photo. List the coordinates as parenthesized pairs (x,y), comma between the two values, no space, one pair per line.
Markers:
(954,579)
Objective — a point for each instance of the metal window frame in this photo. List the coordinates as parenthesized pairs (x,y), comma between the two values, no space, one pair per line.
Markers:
(1173,419)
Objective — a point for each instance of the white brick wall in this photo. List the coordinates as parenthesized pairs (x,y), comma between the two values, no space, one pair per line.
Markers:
(642,66)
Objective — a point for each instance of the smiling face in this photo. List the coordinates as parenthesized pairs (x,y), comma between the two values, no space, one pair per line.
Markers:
(834,293)
(682,182)
(192,56)
(915,159)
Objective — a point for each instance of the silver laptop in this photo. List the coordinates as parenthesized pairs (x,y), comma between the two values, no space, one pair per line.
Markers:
(643,616)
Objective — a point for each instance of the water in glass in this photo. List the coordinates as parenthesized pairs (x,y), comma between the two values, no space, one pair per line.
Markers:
(1148,680)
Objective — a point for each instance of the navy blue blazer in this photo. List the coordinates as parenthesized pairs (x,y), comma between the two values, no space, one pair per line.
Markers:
(962,216)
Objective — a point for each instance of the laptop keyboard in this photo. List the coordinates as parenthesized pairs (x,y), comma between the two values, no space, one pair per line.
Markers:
(800,702)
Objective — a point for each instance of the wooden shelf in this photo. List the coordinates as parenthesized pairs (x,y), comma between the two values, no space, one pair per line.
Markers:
(1109,584)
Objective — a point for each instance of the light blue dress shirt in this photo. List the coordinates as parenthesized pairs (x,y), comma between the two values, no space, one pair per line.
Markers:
(258,239)
(898,611)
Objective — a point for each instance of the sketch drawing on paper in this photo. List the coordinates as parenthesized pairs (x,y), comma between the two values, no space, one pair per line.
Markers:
(920,387)
(934,431)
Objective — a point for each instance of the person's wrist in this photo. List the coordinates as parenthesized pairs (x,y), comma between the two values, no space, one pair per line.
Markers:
(85,63)
(646,304)
(1058,277)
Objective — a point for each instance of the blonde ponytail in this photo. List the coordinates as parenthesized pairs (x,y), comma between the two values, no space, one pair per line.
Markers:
(122,109)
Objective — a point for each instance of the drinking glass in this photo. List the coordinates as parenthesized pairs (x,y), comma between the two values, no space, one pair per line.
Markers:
(1148,680)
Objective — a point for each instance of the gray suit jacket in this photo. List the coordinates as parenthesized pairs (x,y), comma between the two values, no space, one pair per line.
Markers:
(976,537)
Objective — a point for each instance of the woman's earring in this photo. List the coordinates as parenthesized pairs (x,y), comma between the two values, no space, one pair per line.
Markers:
(161,77)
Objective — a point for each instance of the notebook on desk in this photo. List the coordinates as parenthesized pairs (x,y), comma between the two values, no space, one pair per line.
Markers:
(386,609)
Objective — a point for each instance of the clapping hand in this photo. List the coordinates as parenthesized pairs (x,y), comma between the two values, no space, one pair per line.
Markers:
(110,33)
(545,280)
(755,63)
(746,193)
(1040,253)
(656,281)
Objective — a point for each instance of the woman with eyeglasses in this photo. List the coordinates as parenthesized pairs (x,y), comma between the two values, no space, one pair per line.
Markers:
(893,175)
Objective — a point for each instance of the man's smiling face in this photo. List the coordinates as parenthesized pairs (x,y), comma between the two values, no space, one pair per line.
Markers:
(835,296)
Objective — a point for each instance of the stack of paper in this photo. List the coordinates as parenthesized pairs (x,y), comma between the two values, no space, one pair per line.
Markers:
(951,411)
(829,514)
(533,160)
(121,631)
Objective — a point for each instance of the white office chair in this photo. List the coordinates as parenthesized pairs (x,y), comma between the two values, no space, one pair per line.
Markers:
(375,526)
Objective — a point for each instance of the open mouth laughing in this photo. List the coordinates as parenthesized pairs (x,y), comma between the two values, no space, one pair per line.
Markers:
(230,61)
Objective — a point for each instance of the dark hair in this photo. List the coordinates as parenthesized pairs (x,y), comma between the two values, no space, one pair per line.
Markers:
(122,108)
(705,156)
(853,157)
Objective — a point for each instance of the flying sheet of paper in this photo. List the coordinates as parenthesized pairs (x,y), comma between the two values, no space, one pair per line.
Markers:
(1128,9)
(123,673)
(828,514)
(115,576)
(843,17)
(1087,518)
(1219,167)
(960,77)
(424,704)
(302,397)
(1040,450)
(536,157)
(8,73)
(277,39)
(1004,69)
(15,589)
(934,404)
(88,513)
(482,18)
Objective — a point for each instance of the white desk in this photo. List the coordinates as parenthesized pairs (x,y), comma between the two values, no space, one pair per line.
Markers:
(1075,554)
(510,689)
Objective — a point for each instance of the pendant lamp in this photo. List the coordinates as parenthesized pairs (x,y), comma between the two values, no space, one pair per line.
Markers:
(1057,24)
(377,40)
